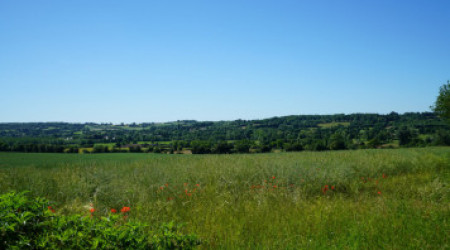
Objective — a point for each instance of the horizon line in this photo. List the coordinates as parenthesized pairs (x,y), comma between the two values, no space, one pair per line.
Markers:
(194,120)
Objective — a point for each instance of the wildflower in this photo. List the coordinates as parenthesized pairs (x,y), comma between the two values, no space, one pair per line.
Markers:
(92,210)
(332,187)
(274,186)
(125,209)
(51,209)
(273,177)
(113,211)
(324,190)
(161,188)
(167,185)
(379,192)
(384,176)
(198,185)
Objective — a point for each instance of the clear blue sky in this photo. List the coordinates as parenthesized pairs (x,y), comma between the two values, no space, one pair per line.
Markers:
(153,61)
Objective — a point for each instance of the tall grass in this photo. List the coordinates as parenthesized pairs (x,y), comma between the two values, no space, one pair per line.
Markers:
(374,199)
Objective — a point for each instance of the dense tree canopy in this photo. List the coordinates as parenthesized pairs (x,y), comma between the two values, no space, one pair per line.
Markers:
(442,105)
(289,133)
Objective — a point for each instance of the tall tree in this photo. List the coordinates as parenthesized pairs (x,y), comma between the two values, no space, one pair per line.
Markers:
(442,105)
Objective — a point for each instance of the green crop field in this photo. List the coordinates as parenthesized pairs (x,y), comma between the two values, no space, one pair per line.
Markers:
(365,199)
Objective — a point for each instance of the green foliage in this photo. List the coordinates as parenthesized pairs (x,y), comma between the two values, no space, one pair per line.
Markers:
(222,147)
(200,147)
(291,147)
(442,104)
(404,136)
(312,132)
(100,149)
(136,149)
(31,223)
(442,137)
(242,146)
(22,220)
(374,143)
(318,145)
(337,142)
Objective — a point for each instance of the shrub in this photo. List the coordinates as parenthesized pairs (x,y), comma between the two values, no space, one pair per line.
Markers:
(100,149)
(32,223)
(136,149)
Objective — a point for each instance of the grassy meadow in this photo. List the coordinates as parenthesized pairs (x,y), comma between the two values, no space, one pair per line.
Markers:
(369,199)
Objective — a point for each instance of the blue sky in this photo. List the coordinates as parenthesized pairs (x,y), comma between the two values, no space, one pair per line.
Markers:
(155,61)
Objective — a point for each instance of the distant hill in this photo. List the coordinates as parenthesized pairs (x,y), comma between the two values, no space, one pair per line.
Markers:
(289,133)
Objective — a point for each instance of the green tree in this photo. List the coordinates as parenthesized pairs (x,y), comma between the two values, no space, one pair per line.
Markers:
(222,147)
(242,146)
(404,136)
(337,142)
(442,104)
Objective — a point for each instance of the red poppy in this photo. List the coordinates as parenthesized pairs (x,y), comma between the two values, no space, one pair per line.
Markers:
(273,177)
(113,211)
(198,185)
(166,185)
(379,192)
(332,187)
(51,209)
(92,210)
(125,209)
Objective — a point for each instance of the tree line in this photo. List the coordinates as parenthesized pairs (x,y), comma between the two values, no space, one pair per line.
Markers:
(289,133)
